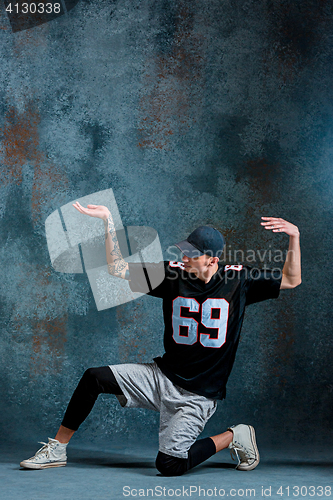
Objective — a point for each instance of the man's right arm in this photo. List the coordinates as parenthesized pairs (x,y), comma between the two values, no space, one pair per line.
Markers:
(117,266)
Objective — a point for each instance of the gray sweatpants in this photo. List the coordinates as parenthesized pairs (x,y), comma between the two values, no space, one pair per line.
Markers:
(183,414)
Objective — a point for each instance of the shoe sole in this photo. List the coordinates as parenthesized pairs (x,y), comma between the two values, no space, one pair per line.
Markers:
(257,460)
(42,466)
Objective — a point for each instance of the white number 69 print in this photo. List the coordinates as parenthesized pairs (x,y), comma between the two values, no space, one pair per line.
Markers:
(220,323)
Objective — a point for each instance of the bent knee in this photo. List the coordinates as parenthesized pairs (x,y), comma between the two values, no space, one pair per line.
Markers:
(171,466)
(89,376)
(90,379)
(91,373)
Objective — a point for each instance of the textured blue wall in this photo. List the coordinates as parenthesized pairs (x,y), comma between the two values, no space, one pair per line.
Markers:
(193,112)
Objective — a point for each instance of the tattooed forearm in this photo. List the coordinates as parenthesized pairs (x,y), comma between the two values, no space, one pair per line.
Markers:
(116,264)
(109,226)
(117,267)
(110,223)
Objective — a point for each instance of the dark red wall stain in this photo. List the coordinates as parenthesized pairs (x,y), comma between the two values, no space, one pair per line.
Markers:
(20,143)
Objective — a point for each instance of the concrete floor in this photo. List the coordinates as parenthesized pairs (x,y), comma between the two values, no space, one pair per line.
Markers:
(93,474)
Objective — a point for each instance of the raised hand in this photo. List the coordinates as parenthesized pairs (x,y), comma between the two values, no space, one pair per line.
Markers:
(280,226)
(117,266)
(98,211)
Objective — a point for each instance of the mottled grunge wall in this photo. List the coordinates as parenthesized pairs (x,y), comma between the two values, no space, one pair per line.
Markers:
(193,112)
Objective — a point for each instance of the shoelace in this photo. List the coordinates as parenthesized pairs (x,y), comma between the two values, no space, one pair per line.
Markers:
(44,449)
(234,455)
(243,455)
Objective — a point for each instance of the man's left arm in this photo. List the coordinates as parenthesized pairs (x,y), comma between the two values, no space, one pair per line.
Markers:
(291,272)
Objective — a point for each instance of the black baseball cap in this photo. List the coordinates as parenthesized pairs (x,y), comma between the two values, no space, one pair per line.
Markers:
(203,240)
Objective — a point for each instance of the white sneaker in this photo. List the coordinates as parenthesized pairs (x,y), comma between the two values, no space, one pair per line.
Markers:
(244,446)
(52,454)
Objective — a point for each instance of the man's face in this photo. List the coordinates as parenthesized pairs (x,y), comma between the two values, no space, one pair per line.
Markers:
(197,265)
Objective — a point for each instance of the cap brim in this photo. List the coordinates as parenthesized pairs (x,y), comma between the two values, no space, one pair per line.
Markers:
(189,250)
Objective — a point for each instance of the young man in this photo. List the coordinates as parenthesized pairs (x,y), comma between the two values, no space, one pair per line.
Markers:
(203,307)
